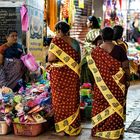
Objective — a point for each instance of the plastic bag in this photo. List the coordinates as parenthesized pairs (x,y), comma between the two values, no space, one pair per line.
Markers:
(29,62)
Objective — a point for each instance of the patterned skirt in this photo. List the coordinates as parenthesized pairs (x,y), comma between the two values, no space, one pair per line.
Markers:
(12,72)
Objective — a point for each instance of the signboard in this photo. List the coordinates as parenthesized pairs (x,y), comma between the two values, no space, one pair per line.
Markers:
(36,32)
(9,20)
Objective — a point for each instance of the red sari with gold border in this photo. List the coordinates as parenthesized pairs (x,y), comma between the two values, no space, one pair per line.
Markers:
(107,66)
(65,86)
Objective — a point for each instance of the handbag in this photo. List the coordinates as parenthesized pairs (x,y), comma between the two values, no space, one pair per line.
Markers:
(29,62)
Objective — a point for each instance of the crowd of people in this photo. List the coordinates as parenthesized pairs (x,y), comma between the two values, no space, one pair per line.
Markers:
(104,64)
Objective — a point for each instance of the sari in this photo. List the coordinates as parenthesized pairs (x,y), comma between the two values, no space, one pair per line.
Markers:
(133,65)
(121,43)
(109,95)
(65,86)
(13,68)
(90,37)
(86,75)
(124,45)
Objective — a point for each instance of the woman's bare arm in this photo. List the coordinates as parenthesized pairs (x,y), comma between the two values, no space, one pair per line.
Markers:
(52,57)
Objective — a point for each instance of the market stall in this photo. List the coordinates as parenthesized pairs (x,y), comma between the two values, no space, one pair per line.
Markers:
(134,57)
(28,108)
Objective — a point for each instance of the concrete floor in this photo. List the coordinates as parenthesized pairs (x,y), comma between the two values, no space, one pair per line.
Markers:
(133,111)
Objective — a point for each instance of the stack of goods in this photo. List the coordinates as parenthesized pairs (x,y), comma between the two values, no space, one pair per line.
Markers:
(133,51)
(86,100)
(30,106)
(32,109)
(34,103)
(134,57)
(6,106)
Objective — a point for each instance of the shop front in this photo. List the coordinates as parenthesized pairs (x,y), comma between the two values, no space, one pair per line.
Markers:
(27,18)
(73,12)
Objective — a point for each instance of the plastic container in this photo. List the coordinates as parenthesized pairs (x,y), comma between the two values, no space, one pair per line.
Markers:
(32,130)
(4,128)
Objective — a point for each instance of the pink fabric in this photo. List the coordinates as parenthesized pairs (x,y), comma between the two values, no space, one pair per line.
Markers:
(24,18)
(29,62)
(138,40)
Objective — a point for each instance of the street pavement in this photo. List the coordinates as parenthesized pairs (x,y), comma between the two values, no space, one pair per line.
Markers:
(132,117)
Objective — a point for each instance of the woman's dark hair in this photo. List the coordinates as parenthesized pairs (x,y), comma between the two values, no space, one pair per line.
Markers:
(63,26)
(118,32)
(11,31)
(107,34)
(94,21)
(97,40)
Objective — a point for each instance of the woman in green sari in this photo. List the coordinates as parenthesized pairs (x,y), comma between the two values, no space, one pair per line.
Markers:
(93,25)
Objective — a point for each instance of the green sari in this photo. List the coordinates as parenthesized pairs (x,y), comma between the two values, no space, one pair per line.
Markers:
(86,75)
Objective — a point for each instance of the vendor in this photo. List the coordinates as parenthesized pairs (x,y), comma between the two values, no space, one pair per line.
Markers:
(13,67)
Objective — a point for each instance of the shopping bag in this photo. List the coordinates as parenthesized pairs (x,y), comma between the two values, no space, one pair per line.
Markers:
(29,62)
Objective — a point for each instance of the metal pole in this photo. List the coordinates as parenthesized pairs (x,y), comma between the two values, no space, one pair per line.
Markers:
(128,14)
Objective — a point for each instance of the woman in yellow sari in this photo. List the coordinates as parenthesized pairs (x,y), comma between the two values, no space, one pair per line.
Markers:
(110,68)
(64,56)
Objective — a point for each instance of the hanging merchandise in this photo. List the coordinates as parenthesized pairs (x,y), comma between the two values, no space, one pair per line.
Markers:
(81,4)
(113,15)
(45,10)
(72,12)
(24,18)
(120,1)
(68,11)
(65,7)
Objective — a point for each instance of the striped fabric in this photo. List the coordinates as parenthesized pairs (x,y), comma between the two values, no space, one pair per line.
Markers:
(90,37)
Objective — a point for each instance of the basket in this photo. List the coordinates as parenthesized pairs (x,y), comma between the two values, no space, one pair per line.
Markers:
(22,129)
(4,128)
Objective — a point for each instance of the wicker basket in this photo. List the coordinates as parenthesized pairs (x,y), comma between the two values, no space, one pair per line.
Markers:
(22,129)
(4,128)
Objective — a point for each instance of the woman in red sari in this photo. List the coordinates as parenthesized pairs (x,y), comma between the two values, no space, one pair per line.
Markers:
(64,56)
(117,37)
(110,68)
(118,40)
